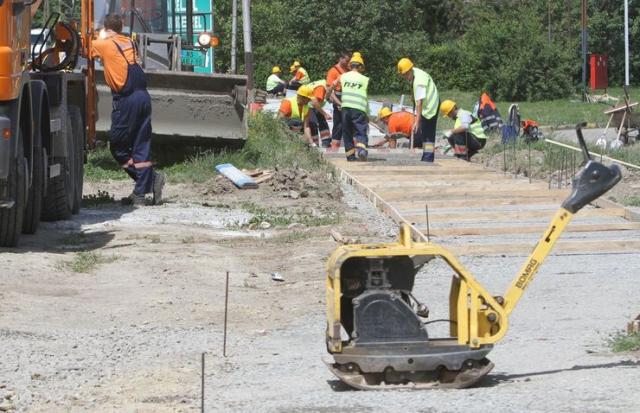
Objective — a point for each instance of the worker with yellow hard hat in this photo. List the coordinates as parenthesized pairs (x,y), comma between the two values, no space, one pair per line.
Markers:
(300,76)
(467,136)
(318,122)
(295,110)
(275,84)
(427,101)
(355,109)
(334,74)
(398,125)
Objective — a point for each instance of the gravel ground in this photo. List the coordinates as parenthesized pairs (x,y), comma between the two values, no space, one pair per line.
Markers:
(128,336)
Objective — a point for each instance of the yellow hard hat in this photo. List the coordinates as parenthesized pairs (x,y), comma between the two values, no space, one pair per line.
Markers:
(357,58)
(292,68)
(305,91)
(276,69)
(447,106)
(384,112)
(404,65)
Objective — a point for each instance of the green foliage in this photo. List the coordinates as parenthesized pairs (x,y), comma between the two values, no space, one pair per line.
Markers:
(513,60)
(499,46)
(284,216)
(606,36)
(622,342)
(85,262)
(95,200)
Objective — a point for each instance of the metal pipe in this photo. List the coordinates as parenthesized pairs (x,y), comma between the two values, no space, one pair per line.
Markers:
(626,43)
(234,35)
(583,23)
(202,385)
(226,306)
(190,24)
(131,19)
(246,32)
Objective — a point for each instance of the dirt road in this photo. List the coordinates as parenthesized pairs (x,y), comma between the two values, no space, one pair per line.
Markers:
(128,334)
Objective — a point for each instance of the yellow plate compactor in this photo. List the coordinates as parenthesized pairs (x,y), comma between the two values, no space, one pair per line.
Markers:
(376,329)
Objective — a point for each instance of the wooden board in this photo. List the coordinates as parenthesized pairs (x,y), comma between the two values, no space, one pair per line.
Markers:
(483,216)
(562,247)
(528,229)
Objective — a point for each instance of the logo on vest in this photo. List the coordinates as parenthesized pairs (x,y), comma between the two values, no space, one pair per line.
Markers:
(353,85)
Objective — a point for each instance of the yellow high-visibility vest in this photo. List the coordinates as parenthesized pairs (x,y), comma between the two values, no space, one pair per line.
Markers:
(431,100)
(295,109)
(354,91)
(475,128)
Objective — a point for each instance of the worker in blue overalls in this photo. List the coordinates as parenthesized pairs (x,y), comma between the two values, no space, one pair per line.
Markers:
(130,135)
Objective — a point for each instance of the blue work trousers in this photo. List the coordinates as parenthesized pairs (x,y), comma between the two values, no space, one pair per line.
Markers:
(355,127)
(130,138)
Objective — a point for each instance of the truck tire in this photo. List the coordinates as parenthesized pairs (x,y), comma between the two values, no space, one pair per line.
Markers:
(11,218)
(58,201)
(78,130)
(33,211)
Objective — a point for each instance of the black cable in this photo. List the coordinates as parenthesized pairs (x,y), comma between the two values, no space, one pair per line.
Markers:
(440,320)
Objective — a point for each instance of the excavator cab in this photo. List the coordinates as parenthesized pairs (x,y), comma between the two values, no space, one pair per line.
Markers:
(378,332)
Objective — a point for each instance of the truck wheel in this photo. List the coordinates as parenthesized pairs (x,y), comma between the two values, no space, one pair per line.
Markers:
(33,211)
(11,218)
(78,130)
(58,202)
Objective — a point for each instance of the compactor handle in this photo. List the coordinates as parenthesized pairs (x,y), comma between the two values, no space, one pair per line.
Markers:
(593,180)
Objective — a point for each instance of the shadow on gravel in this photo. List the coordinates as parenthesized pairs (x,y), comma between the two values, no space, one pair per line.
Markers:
(338,386)
(69,235)
(495,379)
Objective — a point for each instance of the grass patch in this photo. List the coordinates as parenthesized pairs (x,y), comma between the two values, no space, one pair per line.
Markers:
(622,342)
(95,200)
(633,201)
(101,166)
(85,262)
(269,145)
(569,111)
(283,216)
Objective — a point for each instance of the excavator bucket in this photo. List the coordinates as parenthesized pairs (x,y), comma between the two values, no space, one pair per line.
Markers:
(189,109)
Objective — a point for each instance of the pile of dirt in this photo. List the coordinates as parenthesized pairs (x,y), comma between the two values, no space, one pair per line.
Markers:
(218,186)
(300,183)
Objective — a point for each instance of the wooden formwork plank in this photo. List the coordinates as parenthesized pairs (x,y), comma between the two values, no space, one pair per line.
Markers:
(455,184)
(404,206)
(528,229)
(482,216)
(405,173)
(562,247)
(361,166)
(439,194)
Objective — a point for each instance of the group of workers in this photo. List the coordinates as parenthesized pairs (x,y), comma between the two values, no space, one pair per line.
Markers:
(346,88)
(277,86)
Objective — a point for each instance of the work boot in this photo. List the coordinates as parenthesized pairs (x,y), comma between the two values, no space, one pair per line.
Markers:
(158,184)
(134,200)
(362,155)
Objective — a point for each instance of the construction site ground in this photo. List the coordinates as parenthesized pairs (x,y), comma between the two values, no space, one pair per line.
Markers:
(128,335)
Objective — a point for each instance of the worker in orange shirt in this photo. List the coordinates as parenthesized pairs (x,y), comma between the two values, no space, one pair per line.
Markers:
(295,110)
(300,76)
(332,76)
(130,134)
(399,125)
(319,117)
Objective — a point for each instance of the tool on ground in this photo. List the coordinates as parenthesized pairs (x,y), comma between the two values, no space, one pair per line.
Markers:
(377,330)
